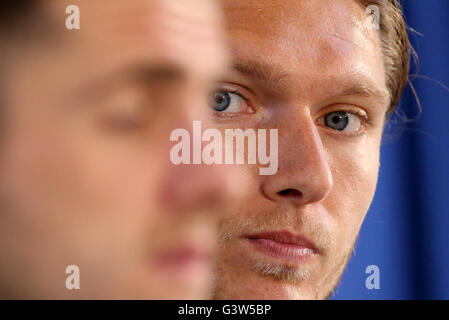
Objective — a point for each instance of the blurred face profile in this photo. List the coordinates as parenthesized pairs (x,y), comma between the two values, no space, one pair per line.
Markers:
(85,174)
(314,71)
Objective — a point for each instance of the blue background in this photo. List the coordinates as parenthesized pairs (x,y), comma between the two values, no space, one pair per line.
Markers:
(406,231)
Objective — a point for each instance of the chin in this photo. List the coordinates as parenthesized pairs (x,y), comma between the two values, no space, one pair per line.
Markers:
(251,286)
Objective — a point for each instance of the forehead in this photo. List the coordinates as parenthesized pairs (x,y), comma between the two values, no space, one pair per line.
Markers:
(306,37)
(184,32)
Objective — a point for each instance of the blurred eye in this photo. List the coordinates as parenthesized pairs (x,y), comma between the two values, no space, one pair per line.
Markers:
(125,121)
(223,101)
(342,121)
(127,109)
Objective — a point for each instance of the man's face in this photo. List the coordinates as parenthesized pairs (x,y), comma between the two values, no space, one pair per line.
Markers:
(85,175)
(313,70)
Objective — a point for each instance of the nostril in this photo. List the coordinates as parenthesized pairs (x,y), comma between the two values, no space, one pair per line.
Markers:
(291,193)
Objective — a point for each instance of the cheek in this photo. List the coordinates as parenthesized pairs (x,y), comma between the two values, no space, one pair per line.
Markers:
(115,182)
(78,183)
(77,200)
(355,173)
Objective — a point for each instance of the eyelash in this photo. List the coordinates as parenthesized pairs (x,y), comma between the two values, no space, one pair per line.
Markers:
(365,120)
(237,92)
(241,95)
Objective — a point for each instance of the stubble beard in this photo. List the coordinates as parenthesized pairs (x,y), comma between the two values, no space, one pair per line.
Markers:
(294,276)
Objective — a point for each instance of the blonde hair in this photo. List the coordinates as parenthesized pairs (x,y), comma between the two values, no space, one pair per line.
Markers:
(395,45)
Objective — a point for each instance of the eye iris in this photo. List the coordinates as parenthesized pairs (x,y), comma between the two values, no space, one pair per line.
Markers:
(337,120)
(221,101)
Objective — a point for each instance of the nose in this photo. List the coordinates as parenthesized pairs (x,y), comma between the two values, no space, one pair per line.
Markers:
(304,175)
(197,188)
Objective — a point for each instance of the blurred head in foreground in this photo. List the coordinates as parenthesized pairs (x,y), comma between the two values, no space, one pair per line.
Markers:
(325,74)
(85,175)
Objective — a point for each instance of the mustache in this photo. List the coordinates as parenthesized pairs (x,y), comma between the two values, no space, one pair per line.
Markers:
(309,226)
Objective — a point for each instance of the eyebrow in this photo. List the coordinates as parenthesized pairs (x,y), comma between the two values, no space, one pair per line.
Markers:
(355,85)
(156,72)
(363,86)
(263,71)
(139,73)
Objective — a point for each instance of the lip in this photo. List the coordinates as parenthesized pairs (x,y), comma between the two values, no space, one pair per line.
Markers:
(181,257)
(185,260)
(283,245)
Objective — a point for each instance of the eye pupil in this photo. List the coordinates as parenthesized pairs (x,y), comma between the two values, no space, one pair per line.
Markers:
(218,99)
(337,120)
(221,101)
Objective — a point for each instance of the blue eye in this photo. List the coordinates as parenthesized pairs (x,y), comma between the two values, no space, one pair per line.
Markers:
(229,102)
(342,121)
(221,101)
(337,120)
